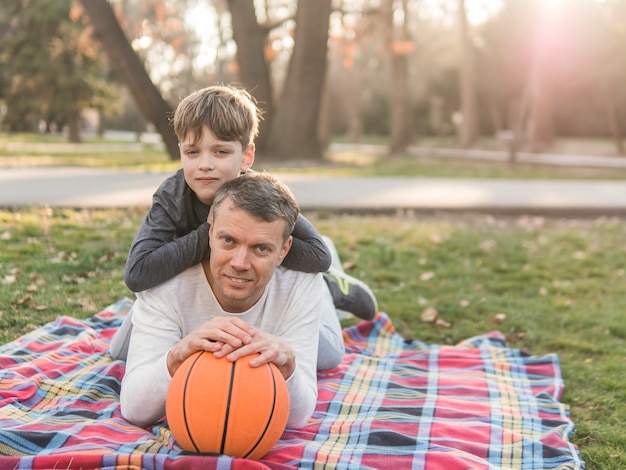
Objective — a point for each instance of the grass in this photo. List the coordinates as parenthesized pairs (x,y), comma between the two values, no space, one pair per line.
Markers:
(20,150)
(550,285)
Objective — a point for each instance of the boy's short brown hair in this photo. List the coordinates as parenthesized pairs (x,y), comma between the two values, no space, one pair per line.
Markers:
(229,112)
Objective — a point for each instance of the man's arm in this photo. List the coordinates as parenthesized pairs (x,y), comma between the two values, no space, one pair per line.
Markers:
(147,379)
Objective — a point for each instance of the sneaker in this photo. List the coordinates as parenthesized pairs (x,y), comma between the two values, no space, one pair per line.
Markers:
(350,294)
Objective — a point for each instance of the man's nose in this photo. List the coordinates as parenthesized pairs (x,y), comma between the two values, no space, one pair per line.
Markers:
(240,259)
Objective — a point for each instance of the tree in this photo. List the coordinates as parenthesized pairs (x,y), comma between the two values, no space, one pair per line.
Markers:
(254,72)
(54,70)
(399,46)
(468,131)
(295,124)
(129,68)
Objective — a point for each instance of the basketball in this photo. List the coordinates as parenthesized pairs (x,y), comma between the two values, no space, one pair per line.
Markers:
(223,407)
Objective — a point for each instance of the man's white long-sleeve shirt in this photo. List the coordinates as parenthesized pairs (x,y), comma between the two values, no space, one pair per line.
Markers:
(289,308)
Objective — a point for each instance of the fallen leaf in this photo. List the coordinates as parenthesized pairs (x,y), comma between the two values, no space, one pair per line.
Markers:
(436,238)
(442,323)
(37,279)
(348,265)
(429,315)
(32,288)
(464,303)
(427,276)
(543,291)
(499,318)
(23,300)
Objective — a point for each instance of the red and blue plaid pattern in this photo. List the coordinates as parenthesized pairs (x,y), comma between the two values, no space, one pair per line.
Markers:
(392,403)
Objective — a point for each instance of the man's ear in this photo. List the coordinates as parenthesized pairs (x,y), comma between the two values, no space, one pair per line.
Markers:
(285,249)
(210,218)
(248,158)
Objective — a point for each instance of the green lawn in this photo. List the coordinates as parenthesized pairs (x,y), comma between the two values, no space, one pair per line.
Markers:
(46,150)
(551,286)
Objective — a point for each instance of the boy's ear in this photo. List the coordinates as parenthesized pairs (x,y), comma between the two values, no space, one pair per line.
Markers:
(248,158)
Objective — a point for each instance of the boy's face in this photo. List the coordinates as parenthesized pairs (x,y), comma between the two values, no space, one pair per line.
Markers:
(210,162)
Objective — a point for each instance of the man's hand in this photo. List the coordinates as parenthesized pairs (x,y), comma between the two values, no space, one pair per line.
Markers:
(270,348)
(220,332)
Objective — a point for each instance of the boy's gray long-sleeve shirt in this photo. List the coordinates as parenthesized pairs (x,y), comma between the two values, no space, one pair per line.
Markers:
(175,236)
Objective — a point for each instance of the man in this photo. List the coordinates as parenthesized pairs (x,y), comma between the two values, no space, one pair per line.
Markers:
(238,302)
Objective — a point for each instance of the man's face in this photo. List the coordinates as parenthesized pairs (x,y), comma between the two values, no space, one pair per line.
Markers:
(210,162)
(244,254)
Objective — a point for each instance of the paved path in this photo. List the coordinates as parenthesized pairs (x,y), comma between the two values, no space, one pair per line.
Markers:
(81,187)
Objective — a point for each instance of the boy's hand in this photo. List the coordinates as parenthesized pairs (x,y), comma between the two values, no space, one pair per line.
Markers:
(213,335)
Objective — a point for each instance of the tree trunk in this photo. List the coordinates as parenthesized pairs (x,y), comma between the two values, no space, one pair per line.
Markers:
(400,46)
(295,124)
(254,72)
(469,123)
(73,126)
(129,68)
(540,130)
(349,85)
(613,122)
(323,128)
(541,118)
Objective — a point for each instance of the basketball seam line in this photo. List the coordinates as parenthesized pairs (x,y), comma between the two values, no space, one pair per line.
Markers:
(184,398)
(230,394)
(269,421)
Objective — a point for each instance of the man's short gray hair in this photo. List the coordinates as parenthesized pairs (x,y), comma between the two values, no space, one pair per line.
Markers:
(263,196)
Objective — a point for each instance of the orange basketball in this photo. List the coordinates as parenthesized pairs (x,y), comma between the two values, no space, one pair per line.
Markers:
(218,406)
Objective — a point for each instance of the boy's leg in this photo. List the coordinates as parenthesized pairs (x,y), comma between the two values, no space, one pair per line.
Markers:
(118,348)
(349,294)
(330,348)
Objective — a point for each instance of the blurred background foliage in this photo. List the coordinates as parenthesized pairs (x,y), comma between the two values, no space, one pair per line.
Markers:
(525,71)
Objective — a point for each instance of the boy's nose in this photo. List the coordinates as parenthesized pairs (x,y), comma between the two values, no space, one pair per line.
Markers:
(206,161)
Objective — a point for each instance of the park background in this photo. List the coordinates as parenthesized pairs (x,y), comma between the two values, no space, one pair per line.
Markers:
(533,76)
(527,74)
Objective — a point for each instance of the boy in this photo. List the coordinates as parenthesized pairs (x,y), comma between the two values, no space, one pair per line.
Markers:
(216,128)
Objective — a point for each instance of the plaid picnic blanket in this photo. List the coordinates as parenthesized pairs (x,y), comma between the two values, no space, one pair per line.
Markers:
(392,403)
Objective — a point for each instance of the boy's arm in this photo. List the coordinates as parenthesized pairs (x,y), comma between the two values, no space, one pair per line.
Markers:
(156,255)
(308,252)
